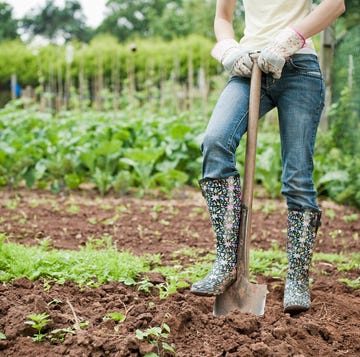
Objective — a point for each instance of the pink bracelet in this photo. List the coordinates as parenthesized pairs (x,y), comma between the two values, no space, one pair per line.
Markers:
(300,34)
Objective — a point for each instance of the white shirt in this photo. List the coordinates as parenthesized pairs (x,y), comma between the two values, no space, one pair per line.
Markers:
(264,19)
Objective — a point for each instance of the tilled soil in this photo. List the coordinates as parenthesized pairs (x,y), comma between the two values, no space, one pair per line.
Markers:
(148,225)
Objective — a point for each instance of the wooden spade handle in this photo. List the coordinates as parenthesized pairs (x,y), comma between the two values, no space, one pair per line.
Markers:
(249,174)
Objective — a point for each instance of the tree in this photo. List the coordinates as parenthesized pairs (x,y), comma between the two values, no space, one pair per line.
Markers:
(132,18)
(352,13)
(56,23)
(8,25)
(164,19)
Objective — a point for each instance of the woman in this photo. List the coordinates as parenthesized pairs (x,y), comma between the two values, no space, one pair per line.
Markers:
(281,31)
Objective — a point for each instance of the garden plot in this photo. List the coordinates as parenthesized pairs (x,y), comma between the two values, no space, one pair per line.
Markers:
(90,276)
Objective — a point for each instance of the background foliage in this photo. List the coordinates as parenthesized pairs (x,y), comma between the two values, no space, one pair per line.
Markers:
(162,49)
(145,150)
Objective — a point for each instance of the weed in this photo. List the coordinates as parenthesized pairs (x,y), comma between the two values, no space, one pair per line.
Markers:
(145,285)
(268,208)
(106,207)
(96,263)
(350,264)
(330,213)
(188,252)
(38,322)
(111,221)
(154,215)
(13,203)
(156,336)
(55,302)
(2,336)
(197,211)
(121,208)
(45,243)
(173,211)
(58,335)
(354,284)
(73,209)
(46,285)
(92,220)
(331,258)
(351,218)
(55,206)
(271,263)
(336,234)
(157,208)
(164,222)
(116,316)
(84,324)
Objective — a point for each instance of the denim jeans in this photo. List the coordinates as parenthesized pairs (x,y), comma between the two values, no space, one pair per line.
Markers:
(299,97)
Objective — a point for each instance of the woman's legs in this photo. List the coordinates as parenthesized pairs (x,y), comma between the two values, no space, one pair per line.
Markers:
(226,127)
(221,183)
(300,100)
(300,103)
(223,198)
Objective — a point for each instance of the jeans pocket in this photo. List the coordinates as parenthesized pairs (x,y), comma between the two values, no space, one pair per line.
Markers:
(305,65)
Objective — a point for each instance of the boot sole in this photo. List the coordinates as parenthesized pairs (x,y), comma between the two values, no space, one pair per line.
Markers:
(295,309)
(202,293)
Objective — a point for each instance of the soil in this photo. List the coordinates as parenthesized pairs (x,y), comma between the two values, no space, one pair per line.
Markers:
(152,225)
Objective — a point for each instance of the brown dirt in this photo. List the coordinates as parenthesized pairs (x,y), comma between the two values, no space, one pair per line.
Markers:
(329,328)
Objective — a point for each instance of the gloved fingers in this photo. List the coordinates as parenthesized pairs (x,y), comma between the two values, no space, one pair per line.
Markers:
(267,67)
(222,47)
(247,61)
(242,68)
(269,62)
(230,60)
(263,64)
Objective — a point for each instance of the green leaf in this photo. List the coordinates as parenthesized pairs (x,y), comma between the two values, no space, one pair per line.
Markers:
(2,336)
(116,316)
(168,347)
(140,335)
(341,175)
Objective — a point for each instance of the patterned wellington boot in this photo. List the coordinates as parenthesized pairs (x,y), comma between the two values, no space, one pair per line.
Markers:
(302,230)
(223,198)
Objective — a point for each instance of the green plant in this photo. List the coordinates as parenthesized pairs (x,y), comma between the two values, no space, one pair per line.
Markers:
(350,264)
(351,218)
(116,316)
(145,285)
(38,322)
(156,336)
(96,263)
(2,336)
(354,284)
(330,213)
(58,335)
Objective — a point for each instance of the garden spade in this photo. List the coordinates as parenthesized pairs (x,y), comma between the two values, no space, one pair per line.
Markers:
(243,295)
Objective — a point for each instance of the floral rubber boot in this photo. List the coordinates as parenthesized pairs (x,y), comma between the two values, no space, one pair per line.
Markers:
(223,198)
(302,230)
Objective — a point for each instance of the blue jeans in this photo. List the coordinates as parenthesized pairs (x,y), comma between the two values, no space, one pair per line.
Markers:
(299,98)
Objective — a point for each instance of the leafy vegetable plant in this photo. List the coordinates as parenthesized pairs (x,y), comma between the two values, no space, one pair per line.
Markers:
(38,322)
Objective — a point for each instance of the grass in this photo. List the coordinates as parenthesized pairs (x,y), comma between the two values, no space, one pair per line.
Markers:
(93,265)
(100,262)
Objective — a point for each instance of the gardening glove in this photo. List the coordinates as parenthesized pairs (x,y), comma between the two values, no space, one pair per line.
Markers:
(272,57)
(233,57)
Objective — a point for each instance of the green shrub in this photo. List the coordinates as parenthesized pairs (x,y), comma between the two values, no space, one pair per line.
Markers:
(153,60)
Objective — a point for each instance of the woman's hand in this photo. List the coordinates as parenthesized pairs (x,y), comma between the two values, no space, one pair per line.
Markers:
(233,57)
(272,58)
